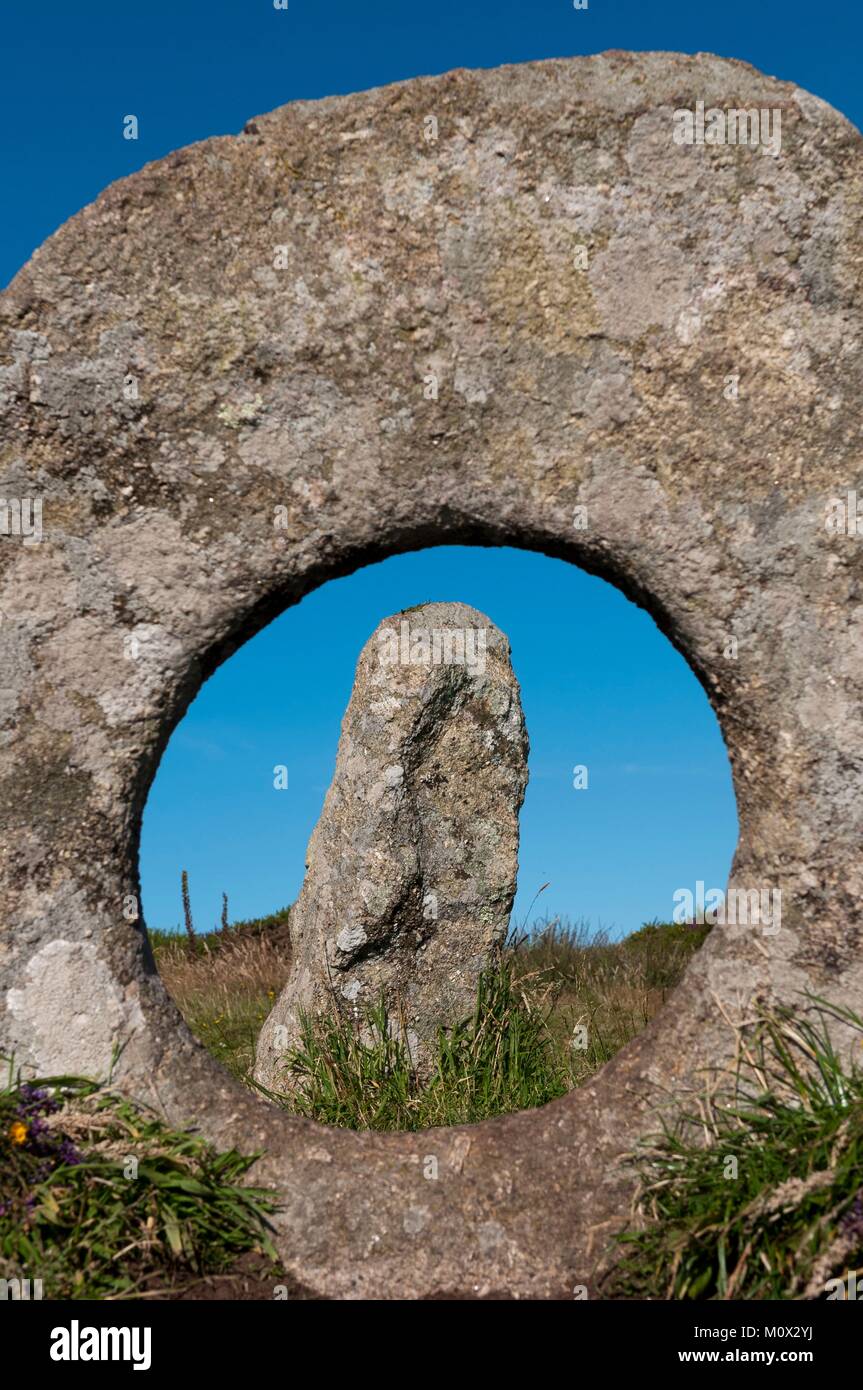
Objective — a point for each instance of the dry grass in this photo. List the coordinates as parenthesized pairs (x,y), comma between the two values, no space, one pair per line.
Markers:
(225,989)
(601,994)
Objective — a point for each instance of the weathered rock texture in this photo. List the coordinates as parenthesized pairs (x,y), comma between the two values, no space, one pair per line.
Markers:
(411,869)
(284,300)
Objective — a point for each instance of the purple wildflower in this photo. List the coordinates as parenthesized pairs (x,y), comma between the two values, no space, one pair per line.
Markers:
(67,1153)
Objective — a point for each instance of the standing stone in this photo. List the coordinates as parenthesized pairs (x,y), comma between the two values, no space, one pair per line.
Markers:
(411,869)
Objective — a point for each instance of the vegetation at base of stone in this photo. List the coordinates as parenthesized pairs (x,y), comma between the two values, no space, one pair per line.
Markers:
(350,1070)
(561,1003)
(100,1199)
(225,984)
(757,1192)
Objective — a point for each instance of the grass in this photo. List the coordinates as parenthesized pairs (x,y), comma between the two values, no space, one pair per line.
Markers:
(602,993)
(757,1192)
(274,926)
(226,983)
(562,1002)
(355,1072)
(100,1199)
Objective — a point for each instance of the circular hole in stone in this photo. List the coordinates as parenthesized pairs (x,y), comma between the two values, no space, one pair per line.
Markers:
(387,978)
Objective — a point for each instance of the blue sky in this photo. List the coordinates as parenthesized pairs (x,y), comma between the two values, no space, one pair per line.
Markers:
(601,686)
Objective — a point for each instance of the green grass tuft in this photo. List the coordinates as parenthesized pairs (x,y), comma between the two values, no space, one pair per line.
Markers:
(758,1192)
(355,1071)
